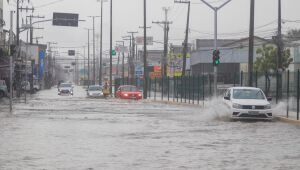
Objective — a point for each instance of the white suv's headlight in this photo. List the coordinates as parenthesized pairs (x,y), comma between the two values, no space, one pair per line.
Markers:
(268,106)
(237,106)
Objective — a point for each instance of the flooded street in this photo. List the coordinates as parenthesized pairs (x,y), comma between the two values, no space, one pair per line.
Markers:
(77,133)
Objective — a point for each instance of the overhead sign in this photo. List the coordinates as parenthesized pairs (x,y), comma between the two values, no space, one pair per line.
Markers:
(65,19)
(71,52)
(140,40)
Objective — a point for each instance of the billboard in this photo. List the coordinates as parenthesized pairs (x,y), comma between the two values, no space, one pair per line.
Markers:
(42,55)
(140,40)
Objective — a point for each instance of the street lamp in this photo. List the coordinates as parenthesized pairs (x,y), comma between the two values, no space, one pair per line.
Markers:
(88,55)
(94,55)
(101,37)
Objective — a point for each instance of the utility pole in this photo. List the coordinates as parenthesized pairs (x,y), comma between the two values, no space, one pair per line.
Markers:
(123,59)
(18,23)
(50,56)
(94,52)
(110,49)
(166,24)
(185,44)
(10,62)
(251,44)
(18,19)
(88,56)
(84,71)
(145,53)
(279,52)
(131,59)
(31,26)
(279,38)
(118,62)
(101,39)
(215,9)
(19,73)
(129,53)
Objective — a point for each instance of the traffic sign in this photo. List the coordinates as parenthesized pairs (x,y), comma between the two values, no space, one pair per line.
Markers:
(139,71)
(114,52)
(65,19)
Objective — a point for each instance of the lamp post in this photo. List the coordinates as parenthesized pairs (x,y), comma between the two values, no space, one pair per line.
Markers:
(94,55)
(88,56)
(215,9)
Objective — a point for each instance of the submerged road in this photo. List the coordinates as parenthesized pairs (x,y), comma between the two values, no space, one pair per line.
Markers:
(77,133)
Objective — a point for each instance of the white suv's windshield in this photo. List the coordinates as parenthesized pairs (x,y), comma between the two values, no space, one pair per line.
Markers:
(248,94)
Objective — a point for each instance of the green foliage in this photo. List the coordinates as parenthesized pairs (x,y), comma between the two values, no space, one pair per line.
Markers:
(267,59)
(293,34)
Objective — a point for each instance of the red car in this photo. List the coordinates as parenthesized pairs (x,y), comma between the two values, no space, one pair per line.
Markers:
(128,92)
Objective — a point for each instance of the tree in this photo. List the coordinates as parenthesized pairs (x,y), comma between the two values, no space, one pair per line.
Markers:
(267,59)
(267,62)
(293,34)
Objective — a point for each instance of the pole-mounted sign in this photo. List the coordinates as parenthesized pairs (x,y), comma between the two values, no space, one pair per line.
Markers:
(71,52)
(65,19)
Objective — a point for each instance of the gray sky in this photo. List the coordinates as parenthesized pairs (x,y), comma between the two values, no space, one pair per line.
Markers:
(233,19)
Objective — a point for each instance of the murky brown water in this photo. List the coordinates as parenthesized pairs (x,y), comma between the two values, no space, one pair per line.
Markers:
(54,132)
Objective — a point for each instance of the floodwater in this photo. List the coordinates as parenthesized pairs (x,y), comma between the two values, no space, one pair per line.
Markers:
(76,133)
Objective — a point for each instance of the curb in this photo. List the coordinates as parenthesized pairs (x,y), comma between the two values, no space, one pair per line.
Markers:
(287,120)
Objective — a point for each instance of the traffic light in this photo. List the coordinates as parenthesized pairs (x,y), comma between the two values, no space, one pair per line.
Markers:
(216,57)
(71,52)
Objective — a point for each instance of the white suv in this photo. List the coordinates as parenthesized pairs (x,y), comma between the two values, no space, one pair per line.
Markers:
(248,103)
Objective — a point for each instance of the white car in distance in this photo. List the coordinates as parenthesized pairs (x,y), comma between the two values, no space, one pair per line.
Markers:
(65,89)
(248,103)
(95,91)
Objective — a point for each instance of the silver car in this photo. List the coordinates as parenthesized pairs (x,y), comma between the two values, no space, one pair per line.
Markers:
(95,91)
(65,89)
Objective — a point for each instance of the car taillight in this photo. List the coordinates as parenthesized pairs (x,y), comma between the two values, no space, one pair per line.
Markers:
(140,94)
(125,94)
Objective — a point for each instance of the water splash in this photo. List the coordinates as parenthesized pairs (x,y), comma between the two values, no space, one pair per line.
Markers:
(216,109)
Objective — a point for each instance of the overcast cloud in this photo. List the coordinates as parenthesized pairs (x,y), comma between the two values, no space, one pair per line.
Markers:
(128,16)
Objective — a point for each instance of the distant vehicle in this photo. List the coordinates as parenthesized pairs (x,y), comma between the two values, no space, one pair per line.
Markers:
(248,103)
(95,91)
(26,86)
(65,89)
(128,92)
(3,89)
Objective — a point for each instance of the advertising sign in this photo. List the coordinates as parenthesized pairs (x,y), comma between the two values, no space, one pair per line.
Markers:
(140,40)
(42,63)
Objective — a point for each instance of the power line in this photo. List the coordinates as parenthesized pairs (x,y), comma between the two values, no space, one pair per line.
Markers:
(48,4)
